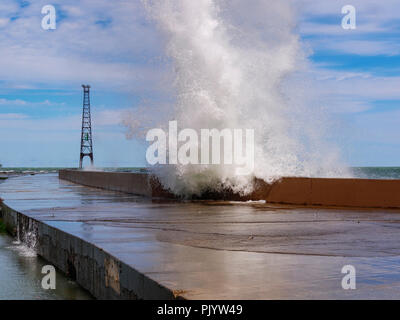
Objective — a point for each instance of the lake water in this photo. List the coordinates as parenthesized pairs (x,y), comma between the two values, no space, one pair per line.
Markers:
(21,277)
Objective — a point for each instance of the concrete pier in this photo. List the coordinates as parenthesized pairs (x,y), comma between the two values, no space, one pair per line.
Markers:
(122,246)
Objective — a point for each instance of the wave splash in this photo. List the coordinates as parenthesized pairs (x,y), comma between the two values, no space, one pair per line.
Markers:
(232,62)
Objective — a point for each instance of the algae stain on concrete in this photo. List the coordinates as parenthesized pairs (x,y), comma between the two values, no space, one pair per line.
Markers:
(112,274)
(2,227)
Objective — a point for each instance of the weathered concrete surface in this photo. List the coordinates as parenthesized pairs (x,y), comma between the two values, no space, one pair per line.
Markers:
(209,250)
(362,193)
(367,193)
(138,183)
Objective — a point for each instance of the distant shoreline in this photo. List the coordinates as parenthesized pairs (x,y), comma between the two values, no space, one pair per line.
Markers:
(357,172)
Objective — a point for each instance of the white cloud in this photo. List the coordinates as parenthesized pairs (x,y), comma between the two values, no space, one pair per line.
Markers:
(12,116)
(4,22)
(120,56)
(16,102)
(109,117)
(373,21)
(359,47)
(351,92)
(100,119)
(19,102)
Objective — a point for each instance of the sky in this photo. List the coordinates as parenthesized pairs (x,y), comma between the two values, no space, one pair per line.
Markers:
(115,48)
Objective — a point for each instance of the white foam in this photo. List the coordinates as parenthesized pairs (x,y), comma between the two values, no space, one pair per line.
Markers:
(22,249)
(232,60)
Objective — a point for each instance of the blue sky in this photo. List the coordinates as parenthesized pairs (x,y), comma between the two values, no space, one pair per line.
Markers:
(112,46)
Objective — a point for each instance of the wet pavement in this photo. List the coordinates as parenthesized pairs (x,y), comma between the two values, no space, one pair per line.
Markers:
(21,275)
(225,250)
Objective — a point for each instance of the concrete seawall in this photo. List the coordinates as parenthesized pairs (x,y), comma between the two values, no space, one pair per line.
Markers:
(97,271)
(361,193)
(134,183)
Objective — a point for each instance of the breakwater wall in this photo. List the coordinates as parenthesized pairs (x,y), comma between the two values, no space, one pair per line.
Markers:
(360,193)
(103,275)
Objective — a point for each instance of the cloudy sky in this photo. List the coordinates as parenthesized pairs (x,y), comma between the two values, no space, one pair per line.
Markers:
(115,48)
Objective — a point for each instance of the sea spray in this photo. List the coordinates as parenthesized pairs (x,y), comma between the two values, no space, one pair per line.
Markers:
(91,168)
(26,236)
(232,61)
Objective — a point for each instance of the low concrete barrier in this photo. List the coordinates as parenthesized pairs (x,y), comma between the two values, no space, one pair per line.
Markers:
(134,183)
(364,193)
(138,183)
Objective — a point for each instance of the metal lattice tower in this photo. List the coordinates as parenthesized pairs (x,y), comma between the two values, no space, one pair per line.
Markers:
(86,135)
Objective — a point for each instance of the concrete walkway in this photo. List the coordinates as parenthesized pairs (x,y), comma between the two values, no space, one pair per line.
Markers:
(211,250)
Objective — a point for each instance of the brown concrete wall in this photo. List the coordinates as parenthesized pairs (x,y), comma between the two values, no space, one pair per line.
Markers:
(363,193)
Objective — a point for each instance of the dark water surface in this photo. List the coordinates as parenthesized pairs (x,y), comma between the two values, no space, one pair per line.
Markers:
(376,172)
(20,275)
